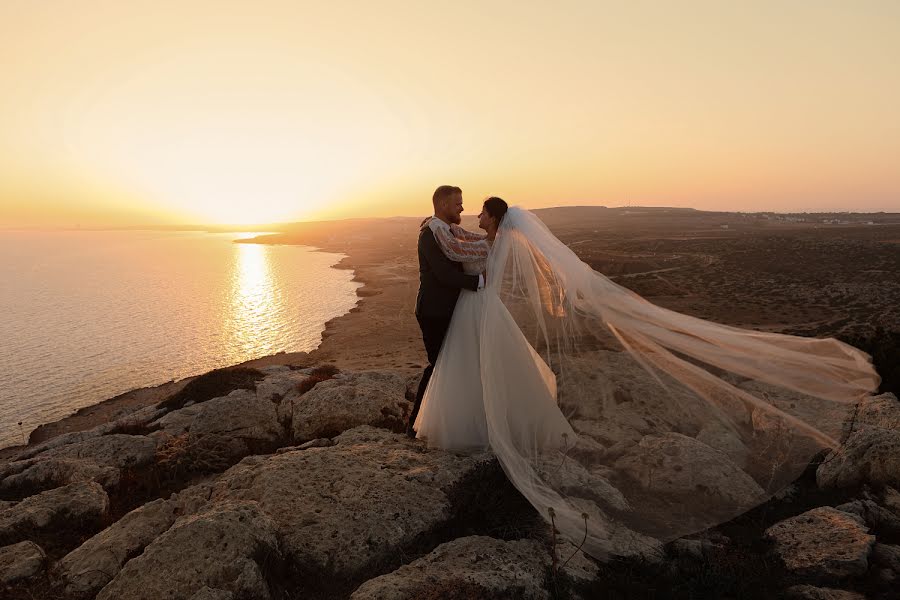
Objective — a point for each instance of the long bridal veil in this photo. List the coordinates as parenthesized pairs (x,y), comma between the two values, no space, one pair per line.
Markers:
(677,424)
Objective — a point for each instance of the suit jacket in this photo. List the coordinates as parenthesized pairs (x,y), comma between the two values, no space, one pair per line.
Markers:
(440,279)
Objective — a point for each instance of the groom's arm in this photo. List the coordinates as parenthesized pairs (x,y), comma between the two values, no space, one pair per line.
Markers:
(444,270)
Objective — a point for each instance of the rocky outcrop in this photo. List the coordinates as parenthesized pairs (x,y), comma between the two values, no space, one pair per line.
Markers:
(99,458)
(240,414)
(129,420)
(346,506)
(809,592)
(73,505)
(376,398)
(93,564)
(28,477)
(871,453)
(678,465)
(223,548)
(888,556)
(717,436)
(20,561)
(335,512)
(823,543)
(208,593)
(482,567)
(874,515)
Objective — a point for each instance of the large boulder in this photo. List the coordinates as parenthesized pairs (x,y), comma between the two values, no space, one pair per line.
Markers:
(822,543)
(346,507)
(70,506)
(20,561)
(676,465)
(279,384)
(718,436)
(879,518)
(113,450)
(888,556)
(34,475)
(871,453)
(223,548)
(99,458)
(481,567)
(240,414)
(93,564)
(376,398)
(175,422)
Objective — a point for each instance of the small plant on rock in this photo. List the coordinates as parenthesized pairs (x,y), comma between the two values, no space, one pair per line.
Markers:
(322,373)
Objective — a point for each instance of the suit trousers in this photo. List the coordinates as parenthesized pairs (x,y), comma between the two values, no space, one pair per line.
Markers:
(434,330)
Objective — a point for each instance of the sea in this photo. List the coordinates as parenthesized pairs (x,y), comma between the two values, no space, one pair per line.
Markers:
(87,315)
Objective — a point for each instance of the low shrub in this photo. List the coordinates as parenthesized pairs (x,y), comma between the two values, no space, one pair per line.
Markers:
(214,384)
(323,373)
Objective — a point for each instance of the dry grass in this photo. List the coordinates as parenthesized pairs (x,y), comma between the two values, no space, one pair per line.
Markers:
(323,373)
(214,384)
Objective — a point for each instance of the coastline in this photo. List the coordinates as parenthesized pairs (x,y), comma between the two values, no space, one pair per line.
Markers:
(354,340)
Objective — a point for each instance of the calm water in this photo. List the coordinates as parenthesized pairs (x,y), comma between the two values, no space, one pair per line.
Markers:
(88,315)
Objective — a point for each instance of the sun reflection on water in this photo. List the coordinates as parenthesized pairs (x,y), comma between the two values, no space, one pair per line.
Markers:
(255,303)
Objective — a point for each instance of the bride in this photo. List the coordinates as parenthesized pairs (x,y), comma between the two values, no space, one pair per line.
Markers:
(625,424)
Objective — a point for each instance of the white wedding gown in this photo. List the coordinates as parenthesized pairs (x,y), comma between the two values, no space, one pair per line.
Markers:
(623,423)
(452,415)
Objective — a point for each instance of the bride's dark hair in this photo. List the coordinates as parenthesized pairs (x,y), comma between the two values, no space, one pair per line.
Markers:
(496,207)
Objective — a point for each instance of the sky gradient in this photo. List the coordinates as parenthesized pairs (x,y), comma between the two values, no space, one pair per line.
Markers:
(253,112)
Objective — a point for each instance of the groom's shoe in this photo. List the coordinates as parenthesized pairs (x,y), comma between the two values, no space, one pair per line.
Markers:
(410,432)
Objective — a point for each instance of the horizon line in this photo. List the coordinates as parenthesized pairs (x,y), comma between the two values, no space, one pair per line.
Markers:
(260,227)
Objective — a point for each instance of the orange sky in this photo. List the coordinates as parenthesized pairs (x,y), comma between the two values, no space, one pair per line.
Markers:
(247,112)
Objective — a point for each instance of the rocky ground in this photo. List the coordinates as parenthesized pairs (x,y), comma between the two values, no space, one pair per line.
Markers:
(295,482)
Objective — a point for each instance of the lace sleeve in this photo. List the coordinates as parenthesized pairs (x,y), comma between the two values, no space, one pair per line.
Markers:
(465,234)
(456,249)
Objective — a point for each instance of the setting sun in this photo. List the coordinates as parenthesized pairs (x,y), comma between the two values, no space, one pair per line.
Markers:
(205,113)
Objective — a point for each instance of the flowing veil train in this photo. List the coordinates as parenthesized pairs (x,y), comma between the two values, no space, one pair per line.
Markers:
(677,424)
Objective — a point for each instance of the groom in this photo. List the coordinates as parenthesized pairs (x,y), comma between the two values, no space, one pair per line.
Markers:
(440,280)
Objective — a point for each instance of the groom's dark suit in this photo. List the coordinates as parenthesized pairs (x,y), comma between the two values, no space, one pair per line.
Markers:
(440,280)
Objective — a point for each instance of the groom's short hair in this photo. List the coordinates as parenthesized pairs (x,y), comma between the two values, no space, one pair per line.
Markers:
(444,191)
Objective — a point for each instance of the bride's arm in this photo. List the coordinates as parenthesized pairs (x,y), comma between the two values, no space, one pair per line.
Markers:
(459,250)
(465,234)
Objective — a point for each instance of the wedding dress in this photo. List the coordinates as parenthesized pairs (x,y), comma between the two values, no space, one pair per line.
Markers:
(626,424)
(452,415)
